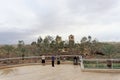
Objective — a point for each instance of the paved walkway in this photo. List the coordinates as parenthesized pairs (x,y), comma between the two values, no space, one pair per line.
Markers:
(59,72)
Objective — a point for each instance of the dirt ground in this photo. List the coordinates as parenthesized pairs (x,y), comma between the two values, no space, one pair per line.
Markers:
(59,72)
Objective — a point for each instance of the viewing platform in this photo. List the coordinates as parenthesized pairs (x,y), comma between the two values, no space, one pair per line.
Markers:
(31,68)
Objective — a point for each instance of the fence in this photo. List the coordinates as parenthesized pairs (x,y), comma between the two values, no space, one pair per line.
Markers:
(100,63)
(34,59)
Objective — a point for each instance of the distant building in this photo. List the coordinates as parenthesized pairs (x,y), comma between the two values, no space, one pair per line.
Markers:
(71,43)
(58,39)
(86,52)
(71,38)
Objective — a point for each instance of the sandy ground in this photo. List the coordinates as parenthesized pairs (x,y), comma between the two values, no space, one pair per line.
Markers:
(59,72)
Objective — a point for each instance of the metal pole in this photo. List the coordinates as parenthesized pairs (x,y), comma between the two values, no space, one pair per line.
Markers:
(97,63)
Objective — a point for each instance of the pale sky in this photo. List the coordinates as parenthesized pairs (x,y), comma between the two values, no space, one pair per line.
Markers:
(28,19)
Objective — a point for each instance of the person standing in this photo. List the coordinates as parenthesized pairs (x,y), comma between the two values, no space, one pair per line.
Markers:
(75,60)
(53,60)
(43,59)
(23,56)
(58,59)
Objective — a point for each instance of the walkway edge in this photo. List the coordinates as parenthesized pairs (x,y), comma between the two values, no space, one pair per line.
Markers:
(102,70)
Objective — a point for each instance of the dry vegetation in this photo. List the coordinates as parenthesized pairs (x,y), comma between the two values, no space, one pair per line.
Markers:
(88,47)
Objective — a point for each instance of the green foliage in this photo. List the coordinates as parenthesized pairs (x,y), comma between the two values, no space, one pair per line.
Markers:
(108,49)
(88,45)
(50,45)
(7,49)
(20,43)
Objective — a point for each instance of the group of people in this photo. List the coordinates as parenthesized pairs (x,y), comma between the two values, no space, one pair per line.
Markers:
(52,60)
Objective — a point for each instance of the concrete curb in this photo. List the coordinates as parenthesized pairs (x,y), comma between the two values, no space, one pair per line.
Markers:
(102,70)
(28,64)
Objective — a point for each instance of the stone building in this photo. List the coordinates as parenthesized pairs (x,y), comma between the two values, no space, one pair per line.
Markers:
(71,37)
(58,39)
(71,40)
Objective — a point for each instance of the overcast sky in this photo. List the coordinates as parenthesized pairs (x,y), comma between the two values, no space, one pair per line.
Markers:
(28,19)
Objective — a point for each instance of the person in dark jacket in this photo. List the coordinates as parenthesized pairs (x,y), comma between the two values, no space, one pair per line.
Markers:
(23,56)
(75,60)
(53,60)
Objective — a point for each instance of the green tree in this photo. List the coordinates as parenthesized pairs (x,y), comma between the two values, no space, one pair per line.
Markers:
(89,46)
(20,43)
(46,43)
(53,46)
(8,49)
(83,44)
(108,49)
(39,41)
(21,47)
(84,40)
(33,43)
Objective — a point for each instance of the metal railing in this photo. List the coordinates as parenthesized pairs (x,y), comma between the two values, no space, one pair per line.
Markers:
(100,63)
(33,59)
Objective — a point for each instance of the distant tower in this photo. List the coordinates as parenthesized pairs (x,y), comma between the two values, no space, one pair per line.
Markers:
(71,41)
(71,38)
